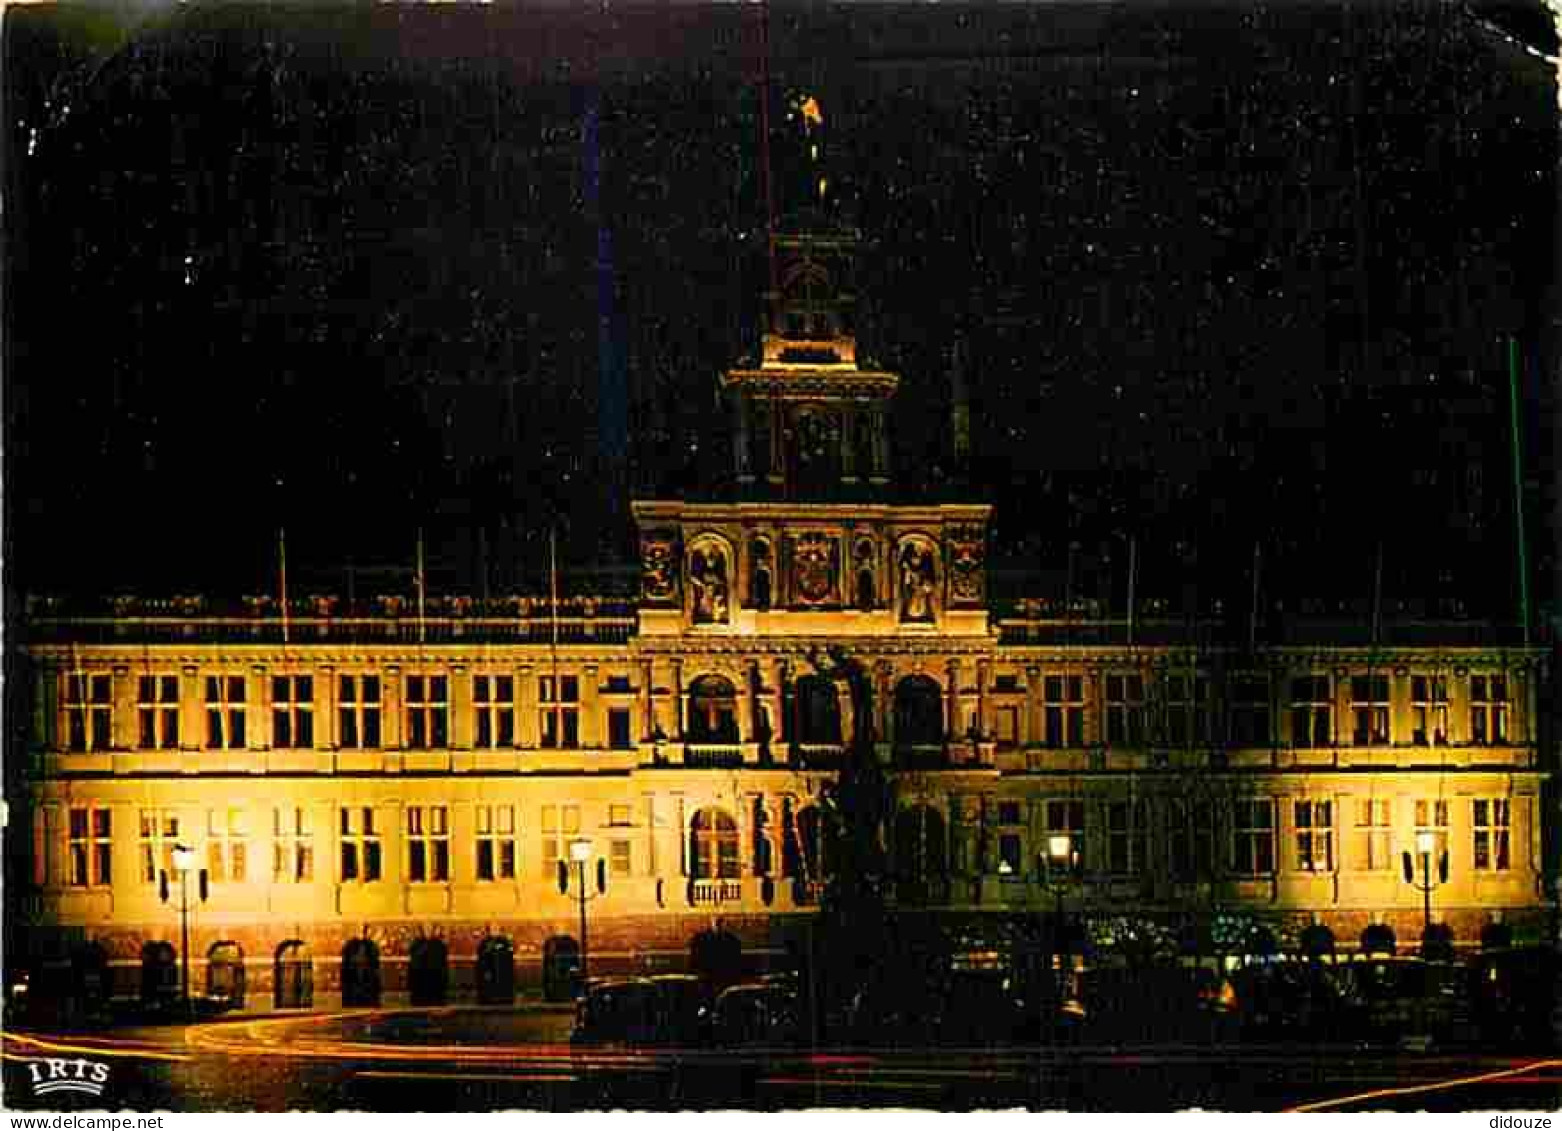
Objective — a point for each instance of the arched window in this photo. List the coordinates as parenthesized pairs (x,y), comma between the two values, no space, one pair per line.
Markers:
(810,851)
(496,971)
(428,972)
(919,712)
(295,981)
(713,710)
(360,973)
(713,845)
(159,974)
(225,973)
(920,845)
(818,711)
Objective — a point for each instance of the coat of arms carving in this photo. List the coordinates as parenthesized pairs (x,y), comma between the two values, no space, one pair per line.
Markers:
(815,567)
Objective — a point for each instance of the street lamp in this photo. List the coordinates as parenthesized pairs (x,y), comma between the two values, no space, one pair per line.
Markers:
(183,860)
(1062,861)
(580,853)
(1426,844)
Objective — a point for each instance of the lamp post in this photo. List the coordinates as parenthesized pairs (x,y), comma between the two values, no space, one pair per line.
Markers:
(1426,844)
(1061,862)
(580,853)
(183,860)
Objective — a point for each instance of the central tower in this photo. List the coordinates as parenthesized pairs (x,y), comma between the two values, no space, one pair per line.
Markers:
(812,547)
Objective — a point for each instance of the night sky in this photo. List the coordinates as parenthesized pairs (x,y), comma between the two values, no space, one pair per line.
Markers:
(1220,275)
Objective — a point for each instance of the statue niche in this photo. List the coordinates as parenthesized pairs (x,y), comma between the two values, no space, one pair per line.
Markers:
(866,598)
(708,584)
(759,574)
(918,576)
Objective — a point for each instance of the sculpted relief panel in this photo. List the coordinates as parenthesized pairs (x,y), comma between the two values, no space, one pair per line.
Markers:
(966,553)
(659,566)
(816,563)
(708,574)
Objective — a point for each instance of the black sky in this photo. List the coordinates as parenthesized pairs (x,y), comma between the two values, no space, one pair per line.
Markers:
(1223,274)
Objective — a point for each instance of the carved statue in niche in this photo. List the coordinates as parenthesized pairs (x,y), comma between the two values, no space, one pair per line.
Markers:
(815,565)
(708,581)
(658,566)
(866,598)
(916,582)
(965,563)
(759,574)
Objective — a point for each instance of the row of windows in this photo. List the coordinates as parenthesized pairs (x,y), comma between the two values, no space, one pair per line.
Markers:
(359,708)
(1197,840)
(1182,711)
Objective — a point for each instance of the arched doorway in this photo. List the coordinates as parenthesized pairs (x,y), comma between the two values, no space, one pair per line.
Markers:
(428,972)
(919,712)
(1437,943)
(225,974)
(818,709)
(713,845)
(496,971)
(360,973)
(1316,942)
(920,852)
(295,976)
(560,968)
(1378,939)
(159,975)
(713,710)
(716,957)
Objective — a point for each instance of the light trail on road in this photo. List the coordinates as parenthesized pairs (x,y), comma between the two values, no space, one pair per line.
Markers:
(1506,1075)
(111,1047)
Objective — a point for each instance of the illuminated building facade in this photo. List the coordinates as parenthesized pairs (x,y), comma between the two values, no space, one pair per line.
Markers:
(381,793)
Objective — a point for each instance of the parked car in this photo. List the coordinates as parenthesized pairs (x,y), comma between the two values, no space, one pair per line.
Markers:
(755,1013)
(621,1011)
(1513,992)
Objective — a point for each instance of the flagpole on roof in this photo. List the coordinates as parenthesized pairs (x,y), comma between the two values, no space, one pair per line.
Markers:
(282,578)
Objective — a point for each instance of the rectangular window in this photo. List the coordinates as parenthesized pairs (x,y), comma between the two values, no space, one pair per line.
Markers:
(1063,715)
(1127,838)
(1491,834)
(292,712)
(496,842)
(1432,817)
(1067,817)
(1312,711)
(293,846)
(360,845)
(1125,710)
(91,847)
(1429,710)
(428,844)
(225,712)
(1488,709)
(89,712)
(1187,710)
(227,845)
(618,734)
(1006,724)
(157,707)
(1314,822)
(560,825)
(1250,722)
(358,712)
(560,711)
(1192,836)
(1369,710)
(159,834)
(1371,844)
(1253,837)
(619,858)
(493,707)
(428,712)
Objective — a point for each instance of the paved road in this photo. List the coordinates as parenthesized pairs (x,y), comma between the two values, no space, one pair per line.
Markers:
(460,1059)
